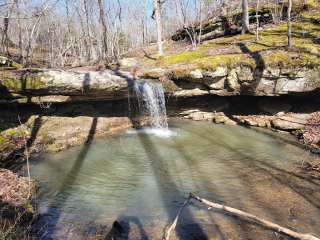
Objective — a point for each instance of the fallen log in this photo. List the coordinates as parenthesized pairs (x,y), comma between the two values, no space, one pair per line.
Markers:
(240,214)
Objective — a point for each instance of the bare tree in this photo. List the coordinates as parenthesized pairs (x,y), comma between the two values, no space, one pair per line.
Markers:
(157,14)
(257,20)
(289,24)
(245,17)
(104,28)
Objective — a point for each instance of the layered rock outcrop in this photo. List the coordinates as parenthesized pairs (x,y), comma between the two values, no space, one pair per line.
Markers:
(63,86)
(244,80)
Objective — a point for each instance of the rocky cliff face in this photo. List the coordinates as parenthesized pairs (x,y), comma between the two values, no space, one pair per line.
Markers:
(64,86)
(244,80)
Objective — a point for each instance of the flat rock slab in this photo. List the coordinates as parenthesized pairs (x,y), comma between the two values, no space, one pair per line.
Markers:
(291,122)
(78,85)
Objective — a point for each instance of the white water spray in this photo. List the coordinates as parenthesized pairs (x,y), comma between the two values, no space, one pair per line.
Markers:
(151,102)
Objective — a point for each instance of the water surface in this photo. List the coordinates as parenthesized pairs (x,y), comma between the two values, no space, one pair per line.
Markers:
(140,179)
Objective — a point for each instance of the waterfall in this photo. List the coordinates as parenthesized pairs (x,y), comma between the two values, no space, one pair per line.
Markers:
(150,99)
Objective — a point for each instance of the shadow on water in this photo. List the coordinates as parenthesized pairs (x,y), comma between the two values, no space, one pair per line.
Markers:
(299,187)
(121,229)
(172,198)
(203,184)
(161,172)
(54,209)
(282,176)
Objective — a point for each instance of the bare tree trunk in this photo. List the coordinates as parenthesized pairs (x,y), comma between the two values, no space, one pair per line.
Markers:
(5,37)
(200,26)
(19,30)
(104,29)
(157,13)
(88,39)
(245,17)
(289,25)
(4,40)
(257,21)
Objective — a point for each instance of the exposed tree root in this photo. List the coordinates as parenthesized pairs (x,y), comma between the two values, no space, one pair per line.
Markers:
(241,214)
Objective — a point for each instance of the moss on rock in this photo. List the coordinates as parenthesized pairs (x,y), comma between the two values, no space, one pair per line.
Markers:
(28,82)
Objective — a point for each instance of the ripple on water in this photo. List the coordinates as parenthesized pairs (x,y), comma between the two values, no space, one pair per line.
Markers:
(143,176)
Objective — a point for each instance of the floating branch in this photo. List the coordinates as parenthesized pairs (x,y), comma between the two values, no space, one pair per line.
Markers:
(241,214)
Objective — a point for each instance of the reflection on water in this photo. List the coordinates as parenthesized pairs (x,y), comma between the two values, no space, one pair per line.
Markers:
(141,179)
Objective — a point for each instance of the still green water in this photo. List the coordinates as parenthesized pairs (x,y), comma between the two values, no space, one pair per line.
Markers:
(141,179)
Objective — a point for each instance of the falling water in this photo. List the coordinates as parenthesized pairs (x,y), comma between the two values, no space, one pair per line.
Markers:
(151,102)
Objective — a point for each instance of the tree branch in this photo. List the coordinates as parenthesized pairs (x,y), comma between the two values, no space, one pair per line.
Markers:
(241,214)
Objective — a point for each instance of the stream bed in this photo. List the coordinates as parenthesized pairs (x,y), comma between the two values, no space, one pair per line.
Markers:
(140,179)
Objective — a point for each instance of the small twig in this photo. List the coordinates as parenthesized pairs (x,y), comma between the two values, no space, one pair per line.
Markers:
(166,236)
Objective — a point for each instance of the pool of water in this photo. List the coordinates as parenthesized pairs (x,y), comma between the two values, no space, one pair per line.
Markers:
(141,178)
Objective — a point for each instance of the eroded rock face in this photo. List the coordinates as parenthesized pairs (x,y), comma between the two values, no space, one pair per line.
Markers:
(244,80)
(64,86)
(68,85)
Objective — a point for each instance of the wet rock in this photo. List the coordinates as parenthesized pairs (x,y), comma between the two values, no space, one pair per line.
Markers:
(221,118)
(188,112)
(255,121)
(190,93)
(156,73)
(291,122)
(201,116)
(58,133)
